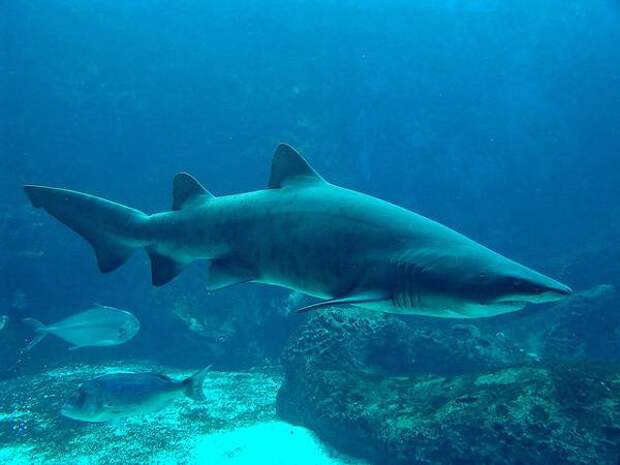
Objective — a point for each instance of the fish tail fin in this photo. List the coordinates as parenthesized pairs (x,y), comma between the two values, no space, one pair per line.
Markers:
(113,230)
(193,385)
(40,332)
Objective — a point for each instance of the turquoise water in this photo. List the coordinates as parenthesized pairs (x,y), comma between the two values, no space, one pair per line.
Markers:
(498,119)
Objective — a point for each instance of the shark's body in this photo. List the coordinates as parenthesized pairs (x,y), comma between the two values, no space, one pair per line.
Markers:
(311,236)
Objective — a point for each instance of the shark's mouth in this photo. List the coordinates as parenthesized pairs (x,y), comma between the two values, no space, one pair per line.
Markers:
(515,300)
(507,306)
(513,303)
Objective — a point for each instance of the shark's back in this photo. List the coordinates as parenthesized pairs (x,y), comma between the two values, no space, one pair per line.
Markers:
(319,238)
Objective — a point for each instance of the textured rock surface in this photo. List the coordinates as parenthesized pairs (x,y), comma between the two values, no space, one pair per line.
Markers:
(584,327)
(521,415)
(587,326)
(387,344)
(378,387)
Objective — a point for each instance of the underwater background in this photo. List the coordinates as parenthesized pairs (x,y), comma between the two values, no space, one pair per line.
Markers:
(499,119)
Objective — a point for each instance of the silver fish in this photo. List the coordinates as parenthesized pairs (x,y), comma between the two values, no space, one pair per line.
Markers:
(3,321)
(122,395)
(97,326)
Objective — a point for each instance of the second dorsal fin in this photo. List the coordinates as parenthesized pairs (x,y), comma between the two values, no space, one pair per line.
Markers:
(186,189)
(289,167)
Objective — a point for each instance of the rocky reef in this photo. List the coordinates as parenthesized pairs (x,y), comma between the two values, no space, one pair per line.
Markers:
(584,327)
(396,394)
(587,326)
(386,344)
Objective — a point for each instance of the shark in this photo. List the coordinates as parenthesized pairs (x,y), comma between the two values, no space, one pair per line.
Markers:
(306,234)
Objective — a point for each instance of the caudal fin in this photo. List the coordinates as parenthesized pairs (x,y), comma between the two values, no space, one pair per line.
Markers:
(113,230)
(193,385)
(40,332)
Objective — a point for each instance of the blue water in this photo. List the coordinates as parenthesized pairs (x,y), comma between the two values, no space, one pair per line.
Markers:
(500,119)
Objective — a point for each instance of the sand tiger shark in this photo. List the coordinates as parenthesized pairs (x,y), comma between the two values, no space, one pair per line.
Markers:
(306,234)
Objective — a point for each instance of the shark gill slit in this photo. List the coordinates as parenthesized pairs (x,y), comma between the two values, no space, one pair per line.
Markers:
(405,295)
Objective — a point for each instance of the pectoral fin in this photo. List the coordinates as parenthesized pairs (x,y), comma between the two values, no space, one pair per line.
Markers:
(357,299)
(224,272)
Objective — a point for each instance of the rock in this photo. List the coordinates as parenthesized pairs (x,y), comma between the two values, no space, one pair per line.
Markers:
(393,391)
(586,326)
(521,415)
(384,343)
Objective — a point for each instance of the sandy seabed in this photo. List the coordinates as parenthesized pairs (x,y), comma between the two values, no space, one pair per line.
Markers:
(237,425)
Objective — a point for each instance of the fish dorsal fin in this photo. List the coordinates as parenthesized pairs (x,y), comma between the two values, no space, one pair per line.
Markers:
(186,190)
(289,167)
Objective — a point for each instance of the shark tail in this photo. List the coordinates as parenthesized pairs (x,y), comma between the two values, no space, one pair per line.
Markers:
(193,385)
(40,332)
(113,230)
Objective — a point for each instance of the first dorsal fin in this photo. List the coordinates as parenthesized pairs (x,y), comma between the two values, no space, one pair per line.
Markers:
(289,167)
(186,189)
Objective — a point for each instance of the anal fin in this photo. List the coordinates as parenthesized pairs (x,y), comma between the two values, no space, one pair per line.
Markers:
(163,268)
(224,272)
(356,299)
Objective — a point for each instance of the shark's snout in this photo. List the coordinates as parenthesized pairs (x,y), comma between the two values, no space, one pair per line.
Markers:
(556,292)
(528,286)
(545,290)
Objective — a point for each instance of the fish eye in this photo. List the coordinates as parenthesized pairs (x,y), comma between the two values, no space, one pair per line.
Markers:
(81,398)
